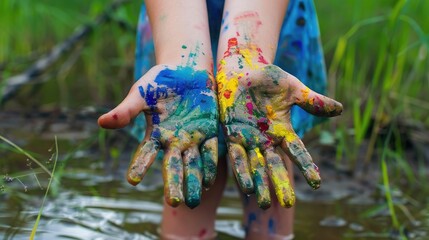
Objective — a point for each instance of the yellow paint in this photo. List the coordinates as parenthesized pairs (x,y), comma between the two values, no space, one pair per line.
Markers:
(282,187)
(258,153)
(281,130)
(248,56)
(256,159)
(226,85)
(270,113)
(305,92)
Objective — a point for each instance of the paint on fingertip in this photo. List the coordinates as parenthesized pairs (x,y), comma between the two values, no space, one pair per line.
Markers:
(115,116)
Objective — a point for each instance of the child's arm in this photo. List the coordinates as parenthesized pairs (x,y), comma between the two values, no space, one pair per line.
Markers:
(255,98)
(178,99)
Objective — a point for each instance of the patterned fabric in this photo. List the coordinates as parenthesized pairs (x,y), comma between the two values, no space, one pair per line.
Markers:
(299,53)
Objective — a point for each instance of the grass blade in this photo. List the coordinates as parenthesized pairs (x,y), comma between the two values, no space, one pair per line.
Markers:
(36,224)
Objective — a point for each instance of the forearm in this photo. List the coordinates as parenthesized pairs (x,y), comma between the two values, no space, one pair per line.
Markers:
(181,32)
(255,24)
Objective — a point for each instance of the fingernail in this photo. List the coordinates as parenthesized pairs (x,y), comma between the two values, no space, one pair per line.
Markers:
(313,177)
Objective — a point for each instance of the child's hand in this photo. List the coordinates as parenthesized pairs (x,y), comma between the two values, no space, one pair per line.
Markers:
(255,102)
(181,113)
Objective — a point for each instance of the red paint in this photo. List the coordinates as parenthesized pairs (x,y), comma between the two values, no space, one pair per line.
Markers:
(249,83)
(249,106)
(174,212)
(316,168)
(202,233)
(318,104)
(115,116)
(227,94)
(232,43)
(263,124)
(261,59)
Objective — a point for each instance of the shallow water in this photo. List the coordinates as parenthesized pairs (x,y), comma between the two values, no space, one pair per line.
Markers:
(94,201)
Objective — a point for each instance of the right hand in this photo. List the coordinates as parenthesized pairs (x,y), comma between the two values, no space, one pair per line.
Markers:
(180,107)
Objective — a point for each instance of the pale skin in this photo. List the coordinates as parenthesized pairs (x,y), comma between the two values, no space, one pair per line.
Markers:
(255,98)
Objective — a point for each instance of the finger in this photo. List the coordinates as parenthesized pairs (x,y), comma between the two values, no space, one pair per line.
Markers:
(193,176)
(297,152)
(316,103)
(142,160)
(128,109)
(172,170)
(260,178)
(240,167)
(209,155)
(279,177)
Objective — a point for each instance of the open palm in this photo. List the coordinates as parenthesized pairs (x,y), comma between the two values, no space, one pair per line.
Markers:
(181,113)
(255,106)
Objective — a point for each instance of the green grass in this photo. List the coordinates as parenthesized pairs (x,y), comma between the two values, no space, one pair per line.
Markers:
(34,173)
(377,56)
(100,73)
(36,224)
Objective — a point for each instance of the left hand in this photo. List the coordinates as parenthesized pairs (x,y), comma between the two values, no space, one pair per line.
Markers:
(254,104)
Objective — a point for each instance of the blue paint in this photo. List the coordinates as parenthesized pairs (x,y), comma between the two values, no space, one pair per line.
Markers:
(188,83)
(191,85)
(271,226)
(151,101)
(250,218)
(141,90)
(156,134)
(225,28)
(225,17)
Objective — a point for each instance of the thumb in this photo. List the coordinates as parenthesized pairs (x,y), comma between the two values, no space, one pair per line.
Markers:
(129,108)
(316,103)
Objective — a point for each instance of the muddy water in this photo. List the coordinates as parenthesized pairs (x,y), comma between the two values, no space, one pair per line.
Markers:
(91,199)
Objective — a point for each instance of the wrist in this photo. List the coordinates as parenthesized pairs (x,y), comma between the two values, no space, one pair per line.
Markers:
(187,54)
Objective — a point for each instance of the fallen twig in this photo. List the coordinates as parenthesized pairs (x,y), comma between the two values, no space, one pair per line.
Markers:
(12,84)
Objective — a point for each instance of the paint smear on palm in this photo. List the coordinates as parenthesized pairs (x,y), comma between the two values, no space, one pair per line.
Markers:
(192,86)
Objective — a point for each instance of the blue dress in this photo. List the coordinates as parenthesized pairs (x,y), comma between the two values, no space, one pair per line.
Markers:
(299,53)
